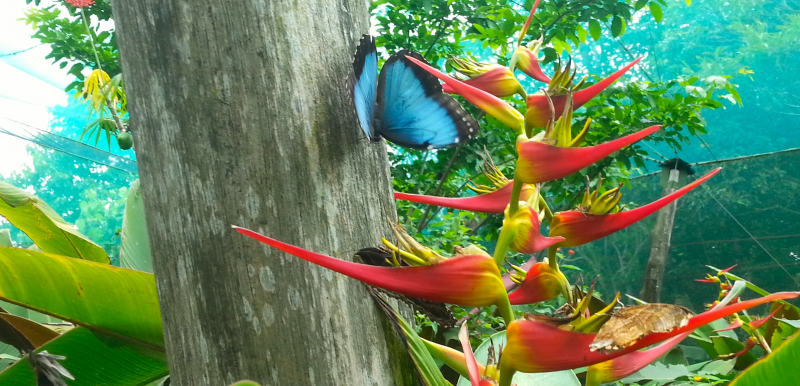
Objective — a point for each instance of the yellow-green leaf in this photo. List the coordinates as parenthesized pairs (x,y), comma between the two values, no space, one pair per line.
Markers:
(45,227)
(656,11)
(94,360)
(116,301)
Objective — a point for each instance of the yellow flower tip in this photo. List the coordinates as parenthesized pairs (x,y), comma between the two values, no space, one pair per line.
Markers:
(471,249)
(414,252)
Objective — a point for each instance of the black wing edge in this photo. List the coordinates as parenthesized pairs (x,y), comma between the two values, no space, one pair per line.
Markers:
(365,47)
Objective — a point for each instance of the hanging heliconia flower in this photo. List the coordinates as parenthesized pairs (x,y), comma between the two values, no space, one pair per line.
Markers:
(469,280)
(580,228)
(539,108)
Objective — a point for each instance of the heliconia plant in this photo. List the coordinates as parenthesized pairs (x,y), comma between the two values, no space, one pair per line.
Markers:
(547,149)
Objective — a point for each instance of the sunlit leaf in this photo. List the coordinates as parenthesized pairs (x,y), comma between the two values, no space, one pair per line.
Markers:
(656,11)
(45,227)
(116,301)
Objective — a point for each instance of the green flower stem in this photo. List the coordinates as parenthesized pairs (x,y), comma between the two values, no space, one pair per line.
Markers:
(516,191)
(507,235)
(91,37)
(504,306)
(506,375)
(552,257)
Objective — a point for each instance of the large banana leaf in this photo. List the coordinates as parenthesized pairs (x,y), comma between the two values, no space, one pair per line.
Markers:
(94,359)
(45,227)
(778,368)
(135,246)
(112,300)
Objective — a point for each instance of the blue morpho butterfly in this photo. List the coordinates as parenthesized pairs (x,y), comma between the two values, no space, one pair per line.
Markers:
(409,107)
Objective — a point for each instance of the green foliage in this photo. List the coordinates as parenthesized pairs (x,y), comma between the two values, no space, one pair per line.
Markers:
(486,31)
(45,227)
(82,193)
(70,43)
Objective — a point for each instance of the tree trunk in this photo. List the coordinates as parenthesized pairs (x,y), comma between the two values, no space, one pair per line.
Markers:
(241,116)
(662,236)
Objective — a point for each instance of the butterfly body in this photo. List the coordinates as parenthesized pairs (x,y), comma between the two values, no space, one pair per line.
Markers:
(405,104)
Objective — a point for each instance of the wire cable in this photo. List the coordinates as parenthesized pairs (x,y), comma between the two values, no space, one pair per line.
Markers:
(751,235)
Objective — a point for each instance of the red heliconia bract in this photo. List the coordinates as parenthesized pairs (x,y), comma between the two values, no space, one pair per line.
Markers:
(498,81)
(472,280)
(494,202)
(540,162)
(580,228)
(534,346)
(539,109)
(528,239)
(528,63)
(469,357)
(542,283)
(623,366)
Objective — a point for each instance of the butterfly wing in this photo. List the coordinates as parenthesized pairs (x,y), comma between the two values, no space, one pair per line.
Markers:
(413,110)
(365,79)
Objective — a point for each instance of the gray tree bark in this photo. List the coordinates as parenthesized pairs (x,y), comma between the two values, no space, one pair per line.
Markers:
(661,239)
(241,115)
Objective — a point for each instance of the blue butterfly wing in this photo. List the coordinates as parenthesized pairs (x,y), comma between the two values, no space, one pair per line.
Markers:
(365,71)
(413,110)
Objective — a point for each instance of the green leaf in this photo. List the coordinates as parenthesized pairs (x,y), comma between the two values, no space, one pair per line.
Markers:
(595,30)
(94,360)
(777,368)
(112,300)
(639,4)
(656,11)
(135,245)
(725,345)
(617,27)
(557,378)
(423,360)
(45,227)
